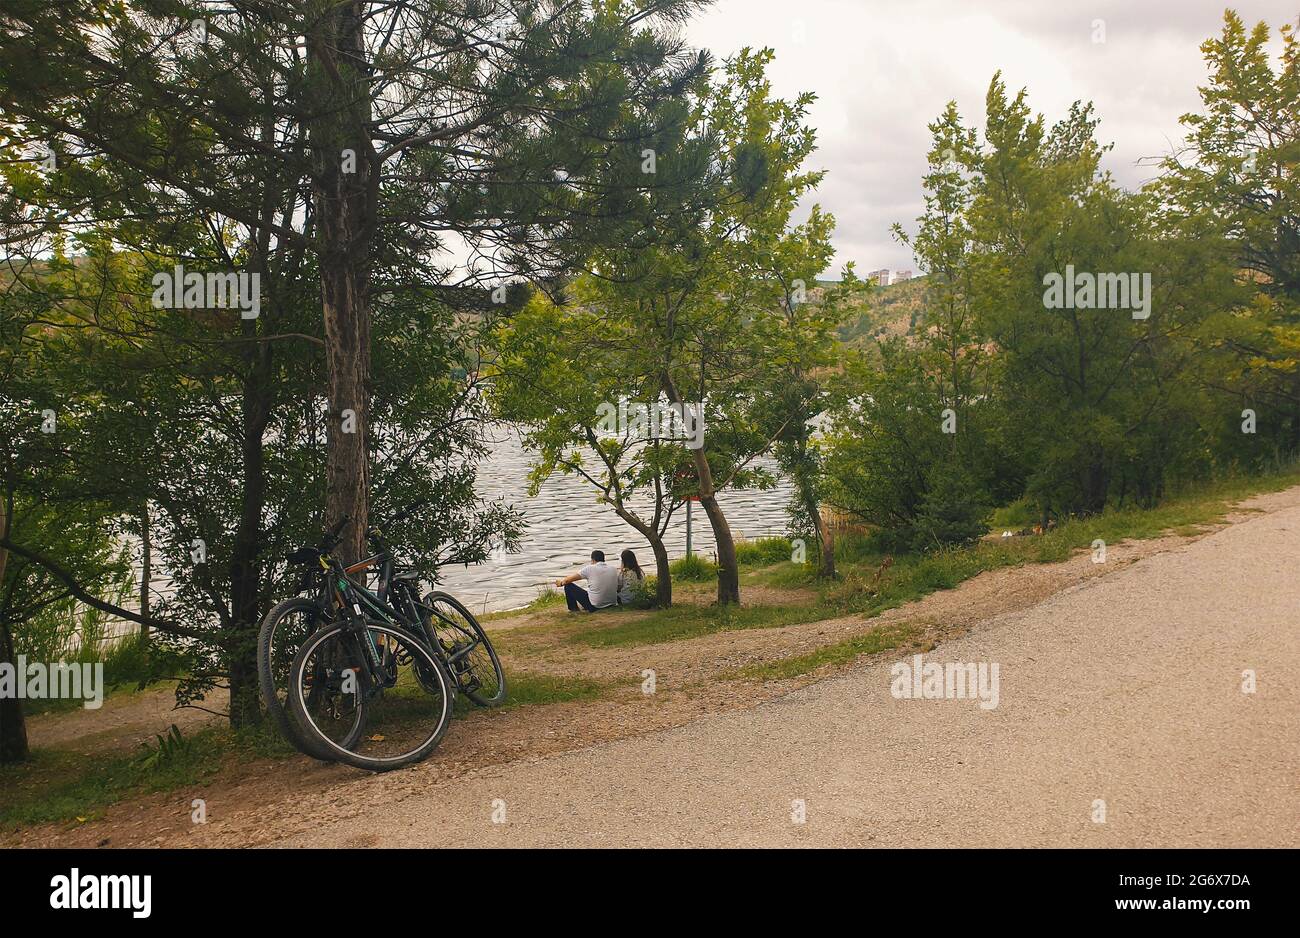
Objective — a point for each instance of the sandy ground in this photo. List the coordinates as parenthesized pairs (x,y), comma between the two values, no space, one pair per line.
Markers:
(1127,690)
(1118,682)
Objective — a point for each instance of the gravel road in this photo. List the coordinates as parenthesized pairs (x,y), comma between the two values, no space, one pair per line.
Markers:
(1126,690)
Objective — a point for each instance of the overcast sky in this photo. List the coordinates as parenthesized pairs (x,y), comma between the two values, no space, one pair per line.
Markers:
(883,69)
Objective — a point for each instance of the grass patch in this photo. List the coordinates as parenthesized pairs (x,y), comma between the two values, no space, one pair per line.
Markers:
(764,551)
(57,785)
(873,581)
(546,598)
(128,668)
(528,688)
(877,640)
(688,621)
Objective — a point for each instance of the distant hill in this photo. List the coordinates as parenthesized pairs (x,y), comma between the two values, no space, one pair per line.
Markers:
(886,311)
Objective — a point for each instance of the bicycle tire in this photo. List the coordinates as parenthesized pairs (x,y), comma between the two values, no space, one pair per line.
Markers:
(266,674)
(430,664)
(477,696)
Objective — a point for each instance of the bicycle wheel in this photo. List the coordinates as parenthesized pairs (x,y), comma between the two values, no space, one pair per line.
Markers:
(281,634)
(468,653)
(403,712)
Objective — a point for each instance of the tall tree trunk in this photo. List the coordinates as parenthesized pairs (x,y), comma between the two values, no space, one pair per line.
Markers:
(13,726)
(825,543)
(728,569)
(344,199)
(663,575)
(805,468)
(245,557)
(146,567)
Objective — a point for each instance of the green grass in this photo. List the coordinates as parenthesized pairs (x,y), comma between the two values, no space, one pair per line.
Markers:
(867,589)
(127,669)
(688,621)
(60,785)
(526,689)
(764,551)
(877,640)
(546,598)
(530,689)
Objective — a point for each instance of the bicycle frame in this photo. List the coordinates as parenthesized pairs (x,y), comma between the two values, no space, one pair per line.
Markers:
(353,595)
(410,618)
(354,601)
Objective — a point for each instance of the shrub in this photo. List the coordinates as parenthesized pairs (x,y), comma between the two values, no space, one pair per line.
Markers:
(767,550)
(693,568)
(954,510)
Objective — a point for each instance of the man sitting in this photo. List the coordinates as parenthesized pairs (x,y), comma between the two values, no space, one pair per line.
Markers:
(602,585)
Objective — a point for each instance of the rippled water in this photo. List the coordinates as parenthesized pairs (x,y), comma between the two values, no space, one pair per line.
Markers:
(565,524)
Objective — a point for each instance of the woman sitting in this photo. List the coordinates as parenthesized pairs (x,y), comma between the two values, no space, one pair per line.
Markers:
(630,578)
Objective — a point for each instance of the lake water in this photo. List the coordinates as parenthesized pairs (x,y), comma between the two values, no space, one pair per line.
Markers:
(565,524)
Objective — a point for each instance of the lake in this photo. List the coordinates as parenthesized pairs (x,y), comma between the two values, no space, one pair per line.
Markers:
(565,524)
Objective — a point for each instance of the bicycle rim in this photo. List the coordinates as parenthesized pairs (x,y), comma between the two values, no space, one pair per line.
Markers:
(403,710)
(471,660)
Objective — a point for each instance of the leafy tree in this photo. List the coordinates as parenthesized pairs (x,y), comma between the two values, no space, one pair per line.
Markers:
(132,375)
(355,134)
(1234,193)
(71,536)
(558,372)
(1095,390)
(704,292)
(883,440)
(803,353)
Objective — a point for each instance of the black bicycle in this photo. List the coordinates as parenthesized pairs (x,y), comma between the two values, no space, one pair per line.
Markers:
(322,708)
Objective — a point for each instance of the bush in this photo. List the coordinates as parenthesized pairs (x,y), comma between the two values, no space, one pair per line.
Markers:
(693,568)
(644,596)
(767,550)
(954,510)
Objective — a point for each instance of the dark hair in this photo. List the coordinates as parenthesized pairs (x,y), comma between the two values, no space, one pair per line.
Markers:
(598,556)
(629,563)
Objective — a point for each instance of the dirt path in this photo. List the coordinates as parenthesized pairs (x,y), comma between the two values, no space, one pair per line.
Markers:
(1123,687)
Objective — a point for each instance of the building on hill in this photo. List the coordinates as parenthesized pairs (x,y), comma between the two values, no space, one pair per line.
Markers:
(880,277)
(901,275)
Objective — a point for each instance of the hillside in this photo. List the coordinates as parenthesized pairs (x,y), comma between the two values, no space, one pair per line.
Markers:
(886,311)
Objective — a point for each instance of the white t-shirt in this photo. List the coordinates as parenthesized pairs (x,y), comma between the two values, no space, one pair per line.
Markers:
(602,583)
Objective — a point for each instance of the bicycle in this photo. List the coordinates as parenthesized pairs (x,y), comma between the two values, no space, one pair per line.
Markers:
(366,688)
(449,628)
(438,620)
(283,631)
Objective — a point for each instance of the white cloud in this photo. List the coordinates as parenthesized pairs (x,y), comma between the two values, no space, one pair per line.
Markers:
(883,69)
